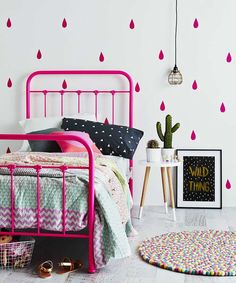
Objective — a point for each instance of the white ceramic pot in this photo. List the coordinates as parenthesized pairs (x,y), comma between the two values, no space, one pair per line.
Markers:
(153,154)
(168,154)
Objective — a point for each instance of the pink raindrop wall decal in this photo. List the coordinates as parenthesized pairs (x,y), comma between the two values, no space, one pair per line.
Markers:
(195,23)
(39,54)
(222,107)
(193,136)
(8,23)
(131,24)
(162,106)
(194,85)
(228,58)
(137,87)
(8,150)
(101,57)
(227,184)
(9,83)
(64,84)
(106,122)
(64,23)
(161,55)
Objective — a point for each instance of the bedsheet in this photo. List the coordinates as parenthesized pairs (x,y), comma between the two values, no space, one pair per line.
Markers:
(112,200)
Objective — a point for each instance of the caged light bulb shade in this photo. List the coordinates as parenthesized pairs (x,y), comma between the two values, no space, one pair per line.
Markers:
(175,77)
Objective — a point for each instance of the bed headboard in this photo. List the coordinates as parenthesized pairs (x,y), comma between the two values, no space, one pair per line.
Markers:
(62,92)
(128,90)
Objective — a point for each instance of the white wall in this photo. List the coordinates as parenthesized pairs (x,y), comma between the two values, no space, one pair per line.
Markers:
(95,26)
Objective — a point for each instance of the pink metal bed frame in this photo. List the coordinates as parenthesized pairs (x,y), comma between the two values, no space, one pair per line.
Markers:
(90,167)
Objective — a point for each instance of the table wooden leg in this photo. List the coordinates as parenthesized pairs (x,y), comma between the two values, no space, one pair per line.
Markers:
(169,174)
(145,183)
(163,178)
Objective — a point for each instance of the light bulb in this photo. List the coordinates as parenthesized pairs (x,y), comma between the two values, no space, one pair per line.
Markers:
(175,77)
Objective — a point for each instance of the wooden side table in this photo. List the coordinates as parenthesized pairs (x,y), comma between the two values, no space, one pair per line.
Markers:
(165,166)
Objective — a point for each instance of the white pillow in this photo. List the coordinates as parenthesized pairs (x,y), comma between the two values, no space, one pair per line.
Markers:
(122,163)
(37,124)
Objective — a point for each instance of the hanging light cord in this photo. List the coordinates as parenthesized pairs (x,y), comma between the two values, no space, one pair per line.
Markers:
(176,26)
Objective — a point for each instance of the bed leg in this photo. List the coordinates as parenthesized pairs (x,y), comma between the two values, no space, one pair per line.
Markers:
(91,263)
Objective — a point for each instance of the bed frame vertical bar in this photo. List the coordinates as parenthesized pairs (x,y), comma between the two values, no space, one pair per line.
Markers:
(78,92)
(63,169)
(91,211)
(12,168)
(131,117)
(113,106)
(96,104)
(62,102)
(38,168)
(45,103)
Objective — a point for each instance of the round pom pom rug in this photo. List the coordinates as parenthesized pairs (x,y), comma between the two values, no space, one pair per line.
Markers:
(207,252)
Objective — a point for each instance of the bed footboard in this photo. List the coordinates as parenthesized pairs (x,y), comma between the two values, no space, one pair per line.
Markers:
(37,168)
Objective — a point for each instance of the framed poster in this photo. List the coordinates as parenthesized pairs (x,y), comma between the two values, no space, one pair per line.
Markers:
(199,178)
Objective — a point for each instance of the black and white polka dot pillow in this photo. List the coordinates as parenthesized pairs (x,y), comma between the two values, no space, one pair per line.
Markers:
(110,139)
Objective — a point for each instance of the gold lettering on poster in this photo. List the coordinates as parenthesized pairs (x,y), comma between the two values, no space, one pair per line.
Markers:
(198,171)
(198,186)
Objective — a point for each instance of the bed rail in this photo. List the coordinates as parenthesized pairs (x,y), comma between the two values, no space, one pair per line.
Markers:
(63,168)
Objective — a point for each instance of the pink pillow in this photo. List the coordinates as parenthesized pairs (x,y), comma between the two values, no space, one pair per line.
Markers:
(74,146)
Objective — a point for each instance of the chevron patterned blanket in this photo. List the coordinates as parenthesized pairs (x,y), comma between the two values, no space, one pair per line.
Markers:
(112,200)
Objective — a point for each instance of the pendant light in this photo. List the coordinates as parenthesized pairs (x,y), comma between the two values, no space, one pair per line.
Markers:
(175,77)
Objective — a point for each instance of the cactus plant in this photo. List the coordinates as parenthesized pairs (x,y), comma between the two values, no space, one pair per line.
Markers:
(153,144)
(169,130)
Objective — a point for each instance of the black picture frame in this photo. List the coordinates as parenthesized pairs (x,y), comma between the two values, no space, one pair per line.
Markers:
(183,197)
